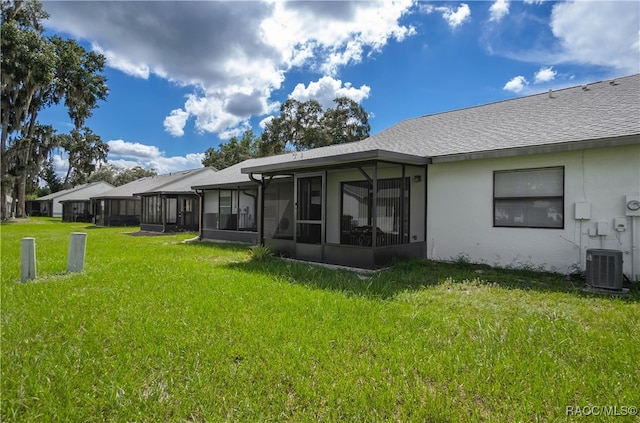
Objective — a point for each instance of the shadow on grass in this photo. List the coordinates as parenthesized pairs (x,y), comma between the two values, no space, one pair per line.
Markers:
(414,275)
(225,246)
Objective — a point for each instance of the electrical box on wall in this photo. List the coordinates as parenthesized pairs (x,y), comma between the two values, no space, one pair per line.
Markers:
(583,211)
(632,205)
(620,224)
(603,227)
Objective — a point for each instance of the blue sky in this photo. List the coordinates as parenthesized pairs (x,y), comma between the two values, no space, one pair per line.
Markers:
(186,76)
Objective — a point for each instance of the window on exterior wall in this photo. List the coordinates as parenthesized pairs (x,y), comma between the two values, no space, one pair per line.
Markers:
(529,198)
(392,212)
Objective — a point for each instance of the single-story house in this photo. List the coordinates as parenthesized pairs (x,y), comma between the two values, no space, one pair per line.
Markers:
(172,205)
(52,205)
(535,181)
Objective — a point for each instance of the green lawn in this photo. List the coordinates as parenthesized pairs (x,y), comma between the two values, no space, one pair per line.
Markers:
(159,330)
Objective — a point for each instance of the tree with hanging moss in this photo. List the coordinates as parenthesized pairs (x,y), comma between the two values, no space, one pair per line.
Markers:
(37,72)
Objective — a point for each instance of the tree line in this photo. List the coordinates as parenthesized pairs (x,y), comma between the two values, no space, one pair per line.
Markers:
(301,125)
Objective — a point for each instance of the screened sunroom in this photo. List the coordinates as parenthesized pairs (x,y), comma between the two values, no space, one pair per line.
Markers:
(360,213)
(230,213)
(76,211)
(162,212)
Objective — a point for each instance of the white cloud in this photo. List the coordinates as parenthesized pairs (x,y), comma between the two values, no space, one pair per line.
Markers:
(498,10)
(263,123)
(326,89)
(130,154)
(234,54)
(117,62)
(175,122)
(516,84)
(328,35)
(457,17)
(545,75)
(60,165)
(122,148)
(454,18)
(598,33)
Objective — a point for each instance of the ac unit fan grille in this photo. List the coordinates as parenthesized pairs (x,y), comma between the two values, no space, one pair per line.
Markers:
(604,269)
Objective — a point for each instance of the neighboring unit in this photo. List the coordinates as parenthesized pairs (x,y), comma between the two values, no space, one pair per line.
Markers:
(172,205)
(52,205)
(123,206)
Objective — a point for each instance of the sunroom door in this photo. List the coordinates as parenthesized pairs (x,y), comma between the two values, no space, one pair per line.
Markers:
(309,217)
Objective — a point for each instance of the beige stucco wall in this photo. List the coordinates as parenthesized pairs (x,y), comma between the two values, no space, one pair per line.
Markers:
(460,211)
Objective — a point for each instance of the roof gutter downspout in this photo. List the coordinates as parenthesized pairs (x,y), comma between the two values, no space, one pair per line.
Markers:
(200,195)
(263,185)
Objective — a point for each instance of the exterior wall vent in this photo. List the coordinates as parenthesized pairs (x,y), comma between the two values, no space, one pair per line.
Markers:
(604,269)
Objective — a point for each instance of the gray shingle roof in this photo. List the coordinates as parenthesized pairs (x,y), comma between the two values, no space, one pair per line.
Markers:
(230,176)
(152,184)
(181,181)
(79,192)
(600,111)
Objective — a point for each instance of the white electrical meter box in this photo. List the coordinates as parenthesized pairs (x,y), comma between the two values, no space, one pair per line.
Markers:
(632,205)
(583,211)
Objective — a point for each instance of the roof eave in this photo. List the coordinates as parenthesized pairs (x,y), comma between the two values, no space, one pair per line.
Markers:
(540,149)
(229,185)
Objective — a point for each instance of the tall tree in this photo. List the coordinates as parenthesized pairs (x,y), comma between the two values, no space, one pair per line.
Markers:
(232,152)
(347,122)
(85,150)
(48,174)
(305,125)
(79,80)
(36,72)
(27,156)
(28,63)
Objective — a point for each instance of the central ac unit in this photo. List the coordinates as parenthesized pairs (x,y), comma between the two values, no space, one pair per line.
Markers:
(604,269)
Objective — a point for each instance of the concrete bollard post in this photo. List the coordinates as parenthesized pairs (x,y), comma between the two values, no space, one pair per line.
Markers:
(28,259)
(77,249)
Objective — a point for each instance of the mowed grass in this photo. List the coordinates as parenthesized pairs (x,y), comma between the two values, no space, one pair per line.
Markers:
(158,330)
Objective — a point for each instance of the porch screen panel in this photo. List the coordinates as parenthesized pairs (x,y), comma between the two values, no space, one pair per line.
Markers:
(356,213)
(392,211)
(278,210)
(228,220)
(211,207)
(247,213)
(172,210)
(151,209)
